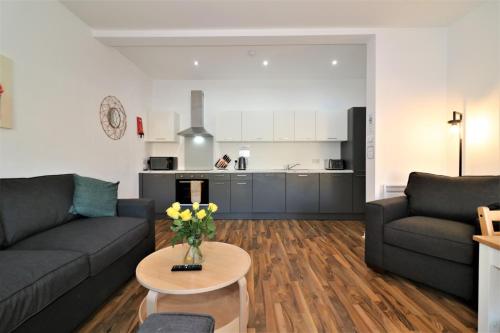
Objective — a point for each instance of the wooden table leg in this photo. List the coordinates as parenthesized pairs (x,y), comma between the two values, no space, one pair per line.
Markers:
(151,302)
(243,305)
(489,291)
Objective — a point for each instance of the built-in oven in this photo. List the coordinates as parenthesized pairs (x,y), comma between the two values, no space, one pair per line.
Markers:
(190,188)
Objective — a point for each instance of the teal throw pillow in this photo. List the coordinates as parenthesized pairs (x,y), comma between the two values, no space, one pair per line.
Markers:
(94,197)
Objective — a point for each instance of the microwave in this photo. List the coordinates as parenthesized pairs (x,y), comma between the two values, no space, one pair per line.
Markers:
(162,163)
(332,164)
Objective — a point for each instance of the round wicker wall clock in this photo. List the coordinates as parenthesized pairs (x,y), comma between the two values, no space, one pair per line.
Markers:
(113,117)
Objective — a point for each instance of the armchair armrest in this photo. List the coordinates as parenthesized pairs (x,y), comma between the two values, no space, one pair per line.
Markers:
(378,213)
(144,208)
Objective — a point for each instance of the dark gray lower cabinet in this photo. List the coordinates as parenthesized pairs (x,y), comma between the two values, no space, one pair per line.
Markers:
(358,193)
(302,192)
(335,193)
(241,196)
(220,193)
(269,192)
(159,187)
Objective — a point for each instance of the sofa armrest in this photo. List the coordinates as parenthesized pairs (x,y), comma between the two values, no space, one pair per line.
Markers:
(144,208)
(377,214)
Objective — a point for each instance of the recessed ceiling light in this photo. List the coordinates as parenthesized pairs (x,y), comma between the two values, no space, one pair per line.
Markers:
(196,63)
(334,62)
(265,63)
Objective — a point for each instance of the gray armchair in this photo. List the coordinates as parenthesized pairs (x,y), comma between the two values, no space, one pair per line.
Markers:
(426,235)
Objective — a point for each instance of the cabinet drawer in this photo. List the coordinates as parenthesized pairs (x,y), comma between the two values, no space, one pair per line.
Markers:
(241,176)
(219,176)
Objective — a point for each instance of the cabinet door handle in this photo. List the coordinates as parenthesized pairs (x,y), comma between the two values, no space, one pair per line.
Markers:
(241,175)
(218,183)
(160,139)
(241,183)
(332,138)
(303,175)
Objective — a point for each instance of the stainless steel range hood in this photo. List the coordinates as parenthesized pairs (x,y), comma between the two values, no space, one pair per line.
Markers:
(197,116)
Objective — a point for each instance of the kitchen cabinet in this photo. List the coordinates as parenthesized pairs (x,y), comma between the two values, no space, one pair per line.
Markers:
(220,192)
(358,193)
(159,187)
(284,123)
(269,192)
(257,126)
(302,192)
(305,126)
(241,196)
(162,127)
(228,126)
(331,126)
(335,193)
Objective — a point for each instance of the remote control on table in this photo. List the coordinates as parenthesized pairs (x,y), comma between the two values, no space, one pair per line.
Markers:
(181,268)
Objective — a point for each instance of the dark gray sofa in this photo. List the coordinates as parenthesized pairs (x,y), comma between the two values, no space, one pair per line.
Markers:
(57,268)
(426,235)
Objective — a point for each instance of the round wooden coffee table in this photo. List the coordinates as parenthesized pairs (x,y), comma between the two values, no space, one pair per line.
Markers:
(220,289)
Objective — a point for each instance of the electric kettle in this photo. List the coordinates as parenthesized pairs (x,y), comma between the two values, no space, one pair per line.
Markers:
(241,163)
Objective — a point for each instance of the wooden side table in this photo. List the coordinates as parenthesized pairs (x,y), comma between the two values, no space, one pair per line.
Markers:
(489,284)
(220,289)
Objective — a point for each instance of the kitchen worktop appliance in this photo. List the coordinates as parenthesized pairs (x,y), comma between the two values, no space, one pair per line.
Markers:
(162,163)
(334,164)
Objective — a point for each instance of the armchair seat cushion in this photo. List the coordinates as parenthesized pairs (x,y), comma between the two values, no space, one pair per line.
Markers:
(439,238)
(103,239)
(31,280)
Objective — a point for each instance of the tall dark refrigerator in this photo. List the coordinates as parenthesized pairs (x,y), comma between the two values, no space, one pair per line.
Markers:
(354,153)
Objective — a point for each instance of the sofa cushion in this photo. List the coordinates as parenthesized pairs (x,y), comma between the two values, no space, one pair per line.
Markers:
(453,198)
(94,197)
(31,280)
(103,239)
(440,238)
(31,205)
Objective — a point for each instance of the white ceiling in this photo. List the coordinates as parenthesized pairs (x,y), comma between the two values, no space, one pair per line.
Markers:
(238,14)
(235,62)
(164,37)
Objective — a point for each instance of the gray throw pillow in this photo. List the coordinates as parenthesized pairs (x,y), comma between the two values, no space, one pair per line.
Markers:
(94,197)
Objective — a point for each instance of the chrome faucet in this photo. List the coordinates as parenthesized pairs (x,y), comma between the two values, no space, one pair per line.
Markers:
(291,166)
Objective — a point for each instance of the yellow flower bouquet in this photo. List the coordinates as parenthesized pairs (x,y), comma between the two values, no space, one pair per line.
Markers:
(191,226)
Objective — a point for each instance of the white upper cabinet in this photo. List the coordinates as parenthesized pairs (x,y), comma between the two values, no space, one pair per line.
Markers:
(284,126)
(257,126)
(162,127)
(331,126)
(228,126)
(305,126)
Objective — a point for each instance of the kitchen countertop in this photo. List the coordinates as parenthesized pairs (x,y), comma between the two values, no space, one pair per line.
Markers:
(250,171)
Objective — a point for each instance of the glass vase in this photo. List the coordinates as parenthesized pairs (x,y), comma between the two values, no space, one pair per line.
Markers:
(193,254)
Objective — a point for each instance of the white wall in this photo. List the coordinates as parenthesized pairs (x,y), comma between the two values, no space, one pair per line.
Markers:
(410,104)
(61,74)
(259,95)
(474,88)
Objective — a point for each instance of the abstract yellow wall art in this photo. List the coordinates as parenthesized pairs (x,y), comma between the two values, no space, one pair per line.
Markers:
(5,92)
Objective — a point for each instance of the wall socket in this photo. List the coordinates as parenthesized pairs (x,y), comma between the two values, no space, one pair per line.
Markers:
(315,160)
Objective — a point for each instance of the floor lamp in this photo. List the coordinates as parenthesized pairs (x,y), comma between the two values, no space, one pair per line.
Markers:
(457,121)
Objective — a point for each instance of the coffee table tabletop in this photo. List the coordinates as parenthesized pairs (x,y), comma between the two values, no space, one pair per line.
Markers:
(224,264)
(218,289)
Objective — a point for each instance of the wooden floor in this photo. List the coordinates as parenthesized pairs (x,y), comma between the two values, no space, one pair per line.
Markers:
(310,276)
